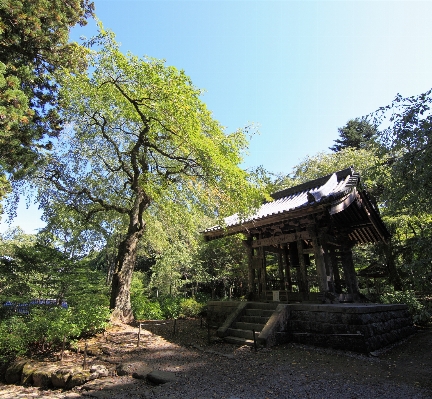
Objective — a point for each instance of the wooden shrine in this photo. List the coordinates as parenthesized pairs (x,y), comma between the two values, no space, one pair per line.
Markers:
(310,230)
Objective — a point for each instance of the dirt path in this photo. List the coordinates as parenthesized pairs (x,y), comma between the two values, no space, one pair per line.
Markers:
(225,371)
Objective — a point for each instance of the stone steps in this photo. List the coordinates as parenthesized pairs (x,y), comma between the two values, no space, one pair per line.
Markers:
(241,325)
(255,317)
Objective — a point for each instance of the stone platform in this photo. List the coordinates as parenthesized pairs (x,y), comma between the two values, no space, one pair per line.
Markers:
(356,327)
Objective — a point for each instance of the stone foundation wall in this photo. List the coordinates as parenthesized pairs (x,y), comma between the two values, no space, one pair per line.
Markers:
(357,327)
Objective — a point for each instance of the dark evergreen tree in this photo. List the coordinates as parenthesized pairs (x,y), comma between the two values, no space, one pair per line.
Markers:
(357,133)
(34,44)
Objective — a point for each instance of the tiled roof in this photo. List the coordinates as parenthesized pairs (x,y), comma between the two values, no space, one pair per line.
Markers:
(323,190)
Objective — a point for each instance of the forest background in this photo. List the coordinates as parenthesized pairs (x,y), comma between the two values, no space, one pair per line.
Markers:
(128,165)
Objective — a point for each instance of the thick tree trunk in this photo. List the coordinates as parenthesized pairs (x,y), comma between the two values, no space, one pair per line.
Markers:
(125,262)
(391,265)
(122,278)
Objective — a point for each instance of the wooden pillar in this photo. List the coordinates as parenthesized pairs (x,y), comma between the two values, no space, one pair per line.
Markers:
(281,270)
(330,266)
(288,281)
(319,262)
(330,263)
(336,273)
(349,270)
(303,269)
(295,262)
(251,270)
(262,282)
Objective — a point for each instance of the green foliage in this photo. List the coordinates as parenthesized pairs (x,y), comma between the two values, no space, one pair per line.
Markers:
(34,43)
(190,307)
(418,311)
(165,307)
(358,134)
(13,338)
(225,264)
(142,151)
(407,137)
(146,309)
(142,307)
(32,270)
(45,328)
(170,307)
(91,318)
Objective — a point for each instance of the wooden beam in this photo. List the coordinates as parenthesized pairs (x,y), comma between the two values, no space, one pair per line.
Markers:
(281,239)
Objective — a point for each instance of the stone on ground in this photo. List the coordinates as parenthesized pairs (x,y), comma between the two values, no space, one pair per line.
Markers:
(137,370)
(161,377)
(14,371)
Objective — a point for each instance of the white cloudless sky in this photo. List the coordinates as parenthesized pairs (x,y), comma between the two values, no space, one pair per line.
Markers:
(297,69)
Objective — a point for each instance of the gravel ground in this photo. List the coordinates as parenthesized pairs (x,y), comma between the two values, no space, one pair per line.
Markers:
(218,370)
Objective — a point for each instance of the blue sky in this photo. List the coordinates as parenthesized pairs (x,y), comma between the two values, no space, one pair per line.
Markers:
(299,70)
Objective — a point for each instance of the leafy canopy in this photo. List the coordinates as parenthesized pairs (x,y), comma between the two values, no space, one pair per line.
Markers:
(34,38)
(136,122)
(408,139)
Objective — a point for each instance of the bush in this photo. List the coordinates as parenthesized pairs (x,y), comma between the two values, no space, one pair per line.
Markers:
(190,307)
(13,338)
(419,313)
(145,309)
(46,328)
(90,318)
(170,307)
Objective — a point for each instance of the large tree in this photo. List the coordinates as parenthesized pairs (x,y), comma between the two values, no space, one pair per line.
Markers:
(406,126)
(34,38)
(358,133)
(408,138)
(138,137)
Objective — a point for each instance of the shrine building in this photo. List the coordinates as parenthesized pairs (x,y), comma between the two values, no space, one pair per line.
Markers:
(310,229)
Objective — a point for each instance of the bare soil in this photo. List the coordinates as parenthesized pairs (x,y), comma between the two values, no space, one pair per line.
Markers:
(206,367)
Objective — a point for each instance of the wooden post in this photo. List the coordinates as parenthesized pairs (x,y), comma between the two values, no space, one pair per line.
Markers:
(319,262)
(63,347)
(139,334)
(251,270)
(281,271)
(303,269)
(263,275)
(85,356)
(295,262)
(336,273)
(288,281)
(349,270)
(329,267)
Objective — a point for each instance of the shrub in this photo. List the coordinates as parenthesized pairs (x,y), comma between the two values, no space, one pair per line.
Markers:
(190,307)
(90,318)
(145,309)
(46,328)
(419,313)
(13,338)
(170,307)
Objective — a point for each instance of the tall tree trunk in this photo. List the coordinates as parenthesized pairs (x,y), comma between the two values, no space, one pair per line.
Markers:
(391,265)
(125,262)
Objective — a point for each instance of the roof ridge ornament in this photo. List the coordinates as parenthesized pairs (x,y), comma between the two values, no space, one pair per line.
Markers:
(316,194)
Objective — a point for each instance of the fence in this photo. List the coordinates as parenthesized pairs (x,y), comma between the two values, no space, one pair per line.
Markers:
(24,308)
